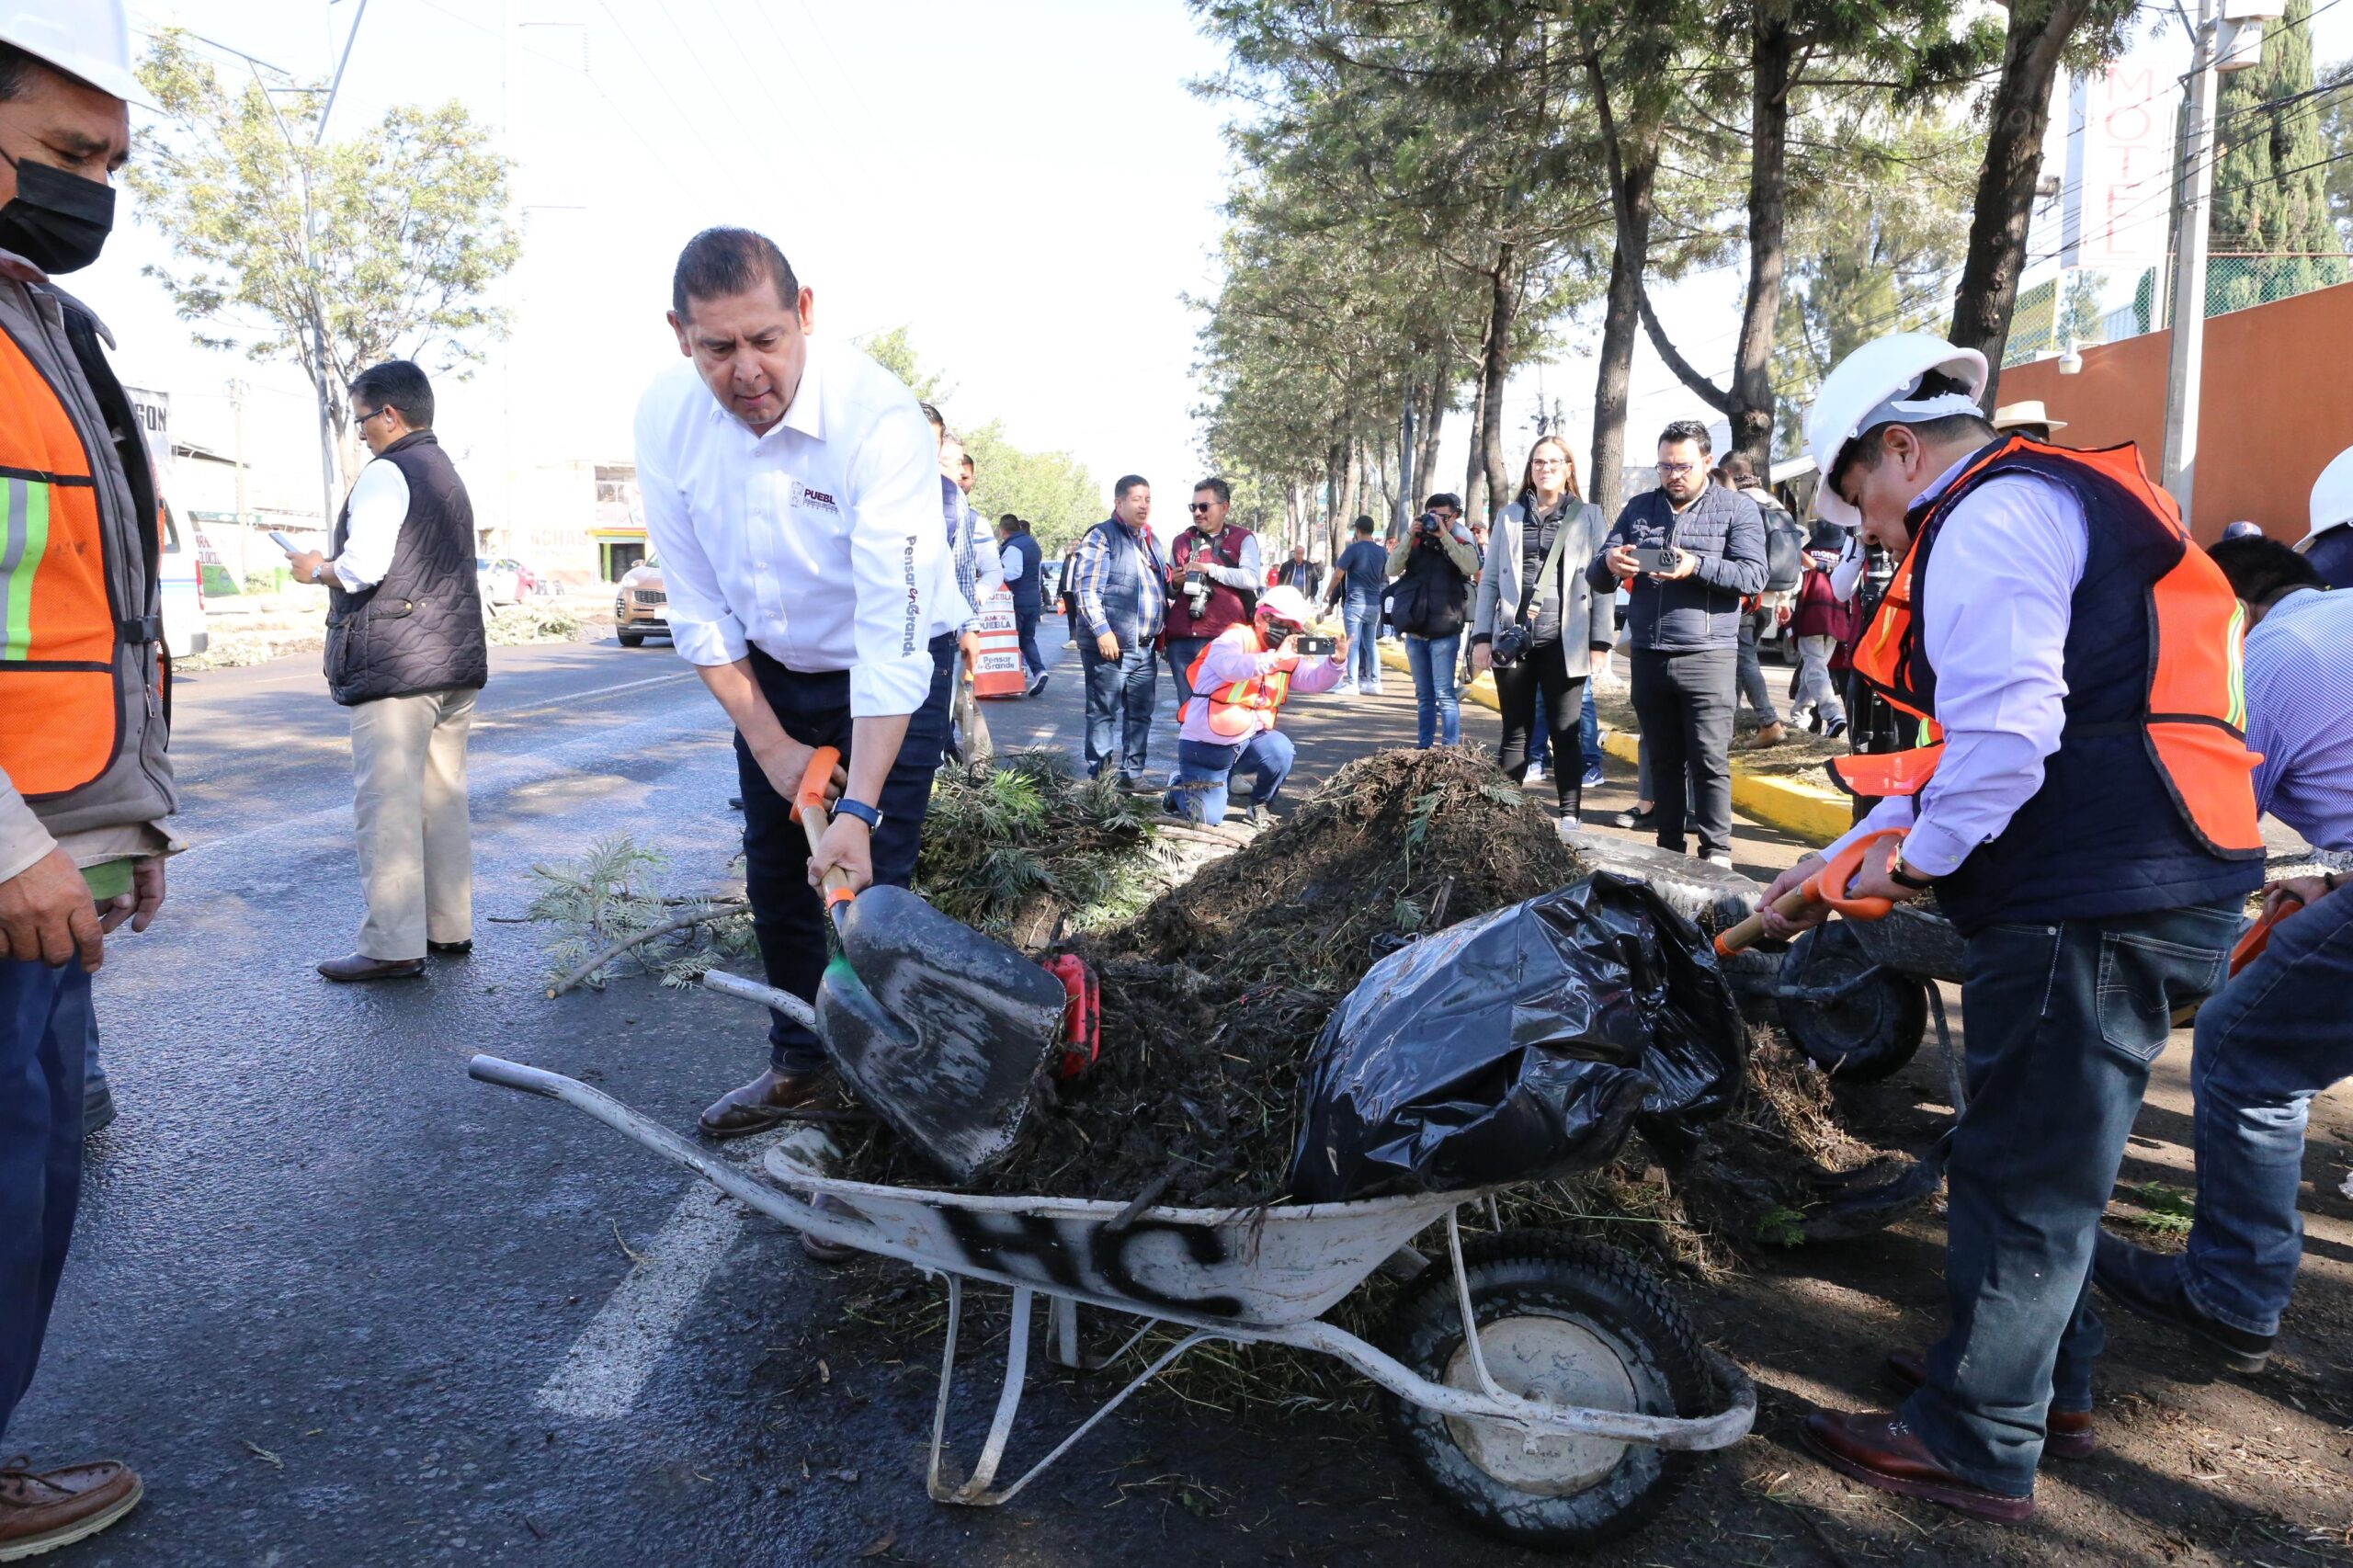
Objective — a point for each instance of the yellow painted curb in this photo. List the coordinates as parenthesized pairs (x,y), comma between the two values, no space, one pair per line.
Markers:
(1814,811)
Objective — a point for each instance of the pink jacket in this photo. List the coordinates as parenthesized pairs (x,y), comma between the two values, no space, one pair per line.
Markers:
(1234,657)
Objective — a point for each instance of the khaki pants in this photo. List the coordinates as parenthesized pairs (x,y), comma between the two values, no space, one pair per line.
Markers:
(408,762)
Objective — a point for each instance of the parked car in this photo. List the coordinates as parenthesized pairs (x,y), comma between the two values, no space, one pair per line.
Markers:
(501,582)
(641,606)
(184,635)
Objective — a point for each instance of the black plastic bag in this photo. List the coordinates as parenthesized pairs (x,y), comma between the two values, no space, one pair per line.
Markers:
(1518,1046)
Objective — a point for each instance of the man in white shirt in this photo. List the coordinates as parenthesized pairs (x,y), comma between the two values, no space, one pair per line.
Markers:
(2091,852)
(792,491)
(406,653)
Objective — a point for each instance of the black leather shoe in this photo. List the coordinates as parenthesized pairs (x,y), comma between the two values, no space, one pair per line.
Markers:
(450,950)
(97,1107)
(2149,1284)
(356,967)
(1636,819)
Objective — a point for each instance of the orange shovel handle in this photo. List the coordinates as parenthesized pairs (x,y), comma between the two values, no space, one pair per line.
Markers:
(808,805)
(1826,886)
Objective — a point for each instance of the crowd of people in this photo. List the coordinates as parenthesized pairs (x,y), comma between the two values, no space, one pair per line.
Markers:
(2085,769)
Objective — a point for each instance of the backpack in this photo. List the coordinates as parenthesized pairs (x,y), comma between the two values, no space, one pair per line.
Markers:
(1784,551)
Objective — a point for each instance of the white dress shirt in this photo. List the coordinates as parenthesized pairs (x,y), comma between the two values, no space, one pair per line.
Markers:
(2300,714)
(1008,562)
(379,506)
(819,541)
(1996,600)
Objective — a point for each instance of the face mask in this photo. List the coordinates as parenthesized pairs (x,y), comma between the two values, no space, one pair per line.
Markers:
(58,222)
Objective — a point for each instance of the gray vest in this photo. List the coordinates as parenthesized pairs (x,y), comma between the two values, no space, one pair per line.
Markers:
(419,629)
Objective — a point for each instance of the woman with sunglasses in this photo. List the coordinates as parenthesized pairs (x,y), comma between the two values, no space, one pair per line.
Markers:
(1539,623)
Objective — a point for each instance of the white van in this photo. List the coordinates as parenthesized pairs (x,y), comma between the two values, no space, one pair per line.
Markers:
(183,631)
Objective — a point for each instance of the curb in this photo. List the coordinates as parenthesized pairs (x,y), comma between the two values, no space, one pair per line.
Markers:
(1813,812)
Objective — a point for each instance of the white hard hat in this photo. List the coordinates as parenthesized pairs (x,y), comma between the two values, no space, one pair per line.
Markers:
(89,38)
(1287,603)
(1869,387)
(2333,496)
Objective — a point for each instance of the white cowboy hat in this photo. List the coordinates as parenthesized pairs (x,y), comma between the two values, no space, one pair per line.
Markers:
(2010,415)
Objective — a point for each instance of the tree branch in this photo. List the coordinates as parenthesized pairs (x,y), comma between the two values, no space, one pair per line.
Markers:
(1714,396)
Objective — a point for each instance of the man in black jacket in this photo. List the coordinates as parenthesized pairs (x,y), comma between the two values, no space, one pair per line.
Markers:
(406,654)
(1683,627)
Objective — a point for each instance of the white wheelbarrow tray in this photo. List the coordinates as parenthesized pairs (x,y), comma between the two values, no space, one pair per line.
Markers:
(1241,1275)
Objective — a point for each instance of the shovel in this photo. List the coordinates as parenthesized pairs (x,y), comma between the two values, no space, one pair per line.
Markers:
(939,1030)
(1826,886)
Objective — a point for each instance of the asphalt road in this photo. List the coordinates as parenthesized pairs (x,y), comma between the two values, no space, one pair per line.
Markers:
(341,1305)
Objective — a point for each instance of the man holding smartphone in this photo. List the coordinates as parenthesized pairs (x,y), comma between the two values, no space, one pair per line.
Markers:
(1239,681)
(792,487)
(1689,552)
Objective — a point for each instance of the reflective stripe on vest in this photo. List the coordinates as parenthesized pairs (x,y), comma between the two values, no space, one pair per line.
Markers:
(57,620)
(2195,712)
(1234,708)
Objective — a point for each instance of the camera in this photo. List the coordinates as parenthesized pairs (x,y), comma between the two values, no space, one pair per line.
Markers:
(1428,522)
(1197,589)
(1509,646)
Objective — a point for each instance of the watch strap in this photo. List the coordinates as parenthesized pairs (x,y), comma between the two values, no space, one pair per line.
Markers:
(858,809)
(1904,879)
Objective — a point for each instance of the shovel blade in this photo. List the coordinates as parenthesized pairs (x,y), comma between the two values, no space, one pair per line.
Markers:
(941,1031)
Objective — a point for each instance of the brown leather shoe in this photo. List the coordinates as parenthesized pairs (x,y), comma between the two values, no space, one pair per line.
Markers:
(2066,1434)
(41,1511)
(1772,734)
(759,1105)
(823,1251)
(1881,1450)
(354,967)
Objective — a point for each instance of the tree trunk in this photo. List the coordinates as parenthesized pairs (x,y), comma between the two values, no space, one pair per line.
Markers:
(1503,304)
(1335,494)
(1433,416)
(1989,278)
(1751,413)
(1633,170)
(1475,503)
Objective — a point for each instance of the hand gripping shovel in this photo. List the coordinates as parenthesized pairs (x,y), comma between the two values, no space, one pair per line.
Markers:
(1826,886)
(937,1028)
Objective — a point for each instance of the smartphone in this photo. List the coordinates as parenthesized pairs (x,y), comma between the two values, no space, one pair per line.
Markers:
(1311,646)
(288,545)
(1661,559)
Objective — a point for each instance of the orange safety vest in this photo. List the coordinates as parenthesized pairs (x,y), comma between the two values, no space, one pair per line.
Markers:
(2193,716)
(1235,708)
(60,636)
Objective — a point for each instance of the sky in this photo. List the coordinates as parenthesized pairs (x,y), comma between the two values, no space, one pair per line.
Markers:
(1028,186)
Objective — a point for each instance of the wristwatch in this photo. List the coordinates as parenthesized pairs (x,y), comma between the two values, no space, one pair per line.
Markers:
(1904,879)
(860,809)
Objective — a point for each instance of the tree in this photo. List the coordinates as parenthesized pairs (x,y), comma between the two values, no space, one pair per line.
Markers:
(2270,184)
(2040,35)
(893,348)
(336,256)
(2334,112)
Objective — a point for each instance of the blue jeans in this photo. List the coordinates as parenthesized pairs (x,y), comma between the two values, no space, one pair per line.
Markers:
(1205,773)
(47,1029)
(2060,1022)
(1182,652)
(1025,625)
(1364,646)
(787,918)
(1589,728)
(2279,1034)
(1437,712)
(1120,694)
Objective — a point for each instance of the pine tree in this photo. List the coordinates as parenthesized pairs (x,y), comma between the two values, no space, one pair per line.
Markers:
(2270,187)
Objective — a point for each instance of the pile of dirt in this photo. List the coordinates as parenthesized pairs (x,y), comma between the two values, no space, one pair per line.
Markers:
(1213,994)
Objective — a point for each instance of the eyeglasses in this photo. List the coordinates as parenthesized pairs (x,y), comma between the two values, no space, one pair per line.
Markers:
(1198,507)
(372,414)
(1676,470)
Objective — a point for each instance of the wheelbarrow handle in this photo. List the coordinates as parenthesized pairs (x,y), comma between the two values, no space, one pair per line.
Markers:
(809,805)
(1827,886)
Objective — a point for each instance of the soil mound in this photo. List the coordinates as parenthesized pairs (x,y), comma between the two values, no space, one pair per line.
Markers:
(1214,993)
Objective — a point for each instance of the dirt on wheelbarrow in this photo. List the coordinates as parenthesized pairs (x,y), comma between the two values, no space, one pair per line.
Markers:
(1214,993)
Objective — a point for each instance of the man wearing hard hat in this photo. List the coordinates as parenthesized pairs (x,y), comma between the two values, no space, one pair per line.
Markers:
(2080,800)
(2329,544)
(84,781)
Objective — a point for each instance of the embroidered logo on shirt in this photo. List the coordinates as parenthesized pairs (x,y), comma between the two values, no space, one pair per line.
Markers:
(802,496)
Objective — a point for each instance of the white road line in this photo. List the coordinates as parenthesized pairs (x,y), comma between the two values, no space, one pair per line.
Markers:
(498,717)
(609,1363)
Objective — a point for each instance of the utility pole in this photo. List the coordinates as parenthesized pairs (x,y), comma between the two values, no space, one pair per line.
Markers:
(1406,511)
(2229,36)
(327,465)
(244,526)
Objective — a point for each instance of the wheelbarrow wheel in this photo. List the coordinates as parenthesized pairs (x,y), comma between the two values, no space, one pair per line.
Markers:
(1868,1033)
(1574,1322)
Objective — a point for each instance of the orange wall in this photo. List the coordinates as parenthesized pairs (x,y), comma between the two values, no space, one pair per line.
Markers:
(2277,405)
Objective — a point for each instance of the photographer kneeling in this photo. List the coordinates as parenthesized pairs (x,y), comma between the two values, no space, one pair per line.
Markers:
(1239,683)
(1434,565)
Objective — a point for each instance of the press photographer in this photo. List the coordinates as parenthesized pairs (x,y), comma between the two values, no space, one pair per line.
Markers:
(1213,577)
(1433,563)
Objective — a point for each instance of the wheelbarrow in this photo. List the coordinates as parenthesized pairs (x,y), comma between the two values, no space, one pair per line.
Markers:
(1571,1414)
